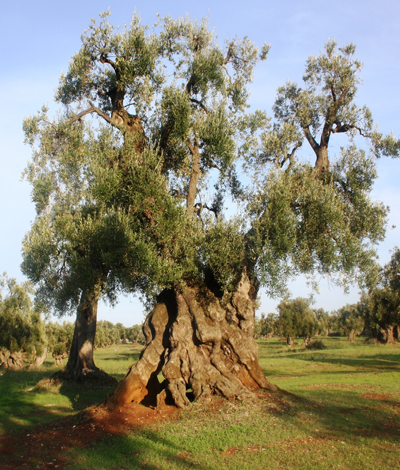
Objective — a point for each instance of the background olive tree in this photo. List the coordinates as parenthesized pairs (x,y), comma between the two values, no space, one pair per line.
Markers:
(22,329)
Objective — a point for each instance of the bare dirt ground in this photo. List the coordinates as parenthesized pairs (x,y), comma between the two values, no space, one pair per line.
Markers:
(45,447)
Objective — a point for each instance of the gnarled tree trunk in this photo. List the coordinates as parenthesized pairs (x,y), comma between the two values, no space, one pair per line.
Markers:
(386,334)
(201,346)
(80,366)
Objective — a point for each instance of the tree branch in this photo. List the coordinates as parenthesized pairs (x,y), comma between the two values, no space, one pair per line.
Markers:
(228,56)
(290,156)
(341,128)
(191,147)
(199,207)
(90,110)
(105,60)
(333,94)
(193,100)
(310,138)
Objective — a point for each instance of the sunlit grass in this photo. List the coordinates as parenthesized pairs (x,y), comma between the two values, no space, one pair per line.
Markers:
(22,404)
(342,411)
(344,414)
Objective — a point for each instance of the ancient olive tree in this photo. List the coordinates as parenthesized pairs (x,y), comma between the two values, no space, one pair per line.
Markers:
(172,139)
(266,326)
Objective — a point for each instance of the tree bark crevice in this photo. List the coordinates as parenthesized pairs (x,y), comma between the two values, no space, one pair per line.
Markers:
(203,347)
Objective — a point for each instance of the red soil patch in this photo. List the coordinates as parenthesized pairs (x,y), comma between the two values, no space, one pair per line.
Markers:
(339,386)
(44,447)
(376,396)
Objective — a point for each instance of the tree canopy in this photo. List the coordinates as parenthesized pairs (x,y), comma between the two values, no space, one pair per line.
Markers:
(297,318)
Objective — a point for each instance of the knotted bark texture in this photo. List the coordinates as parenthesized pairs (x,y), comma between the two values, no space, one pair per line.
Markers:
(201,346)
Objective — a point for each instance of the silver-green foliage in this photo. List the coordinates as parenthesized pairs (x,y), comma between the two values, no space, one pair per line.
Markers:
(21,326)
(296,318)
(383,301)
(123,203)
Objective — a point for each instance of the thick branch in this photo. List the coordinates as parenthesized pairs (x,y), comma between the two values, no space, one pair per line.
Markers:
(194,150)
(105,60)
(199,103)
(310,138)
(326,133)
(190,84)
(90,110)
(342,128)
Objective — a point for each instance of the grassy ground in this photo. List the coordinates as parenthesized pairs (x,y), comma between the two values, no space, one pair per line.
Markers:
(343,411)
(22,405)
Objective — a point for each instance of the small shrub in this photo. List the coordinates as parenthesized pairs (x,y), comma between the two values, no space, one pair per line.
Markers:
(318,344)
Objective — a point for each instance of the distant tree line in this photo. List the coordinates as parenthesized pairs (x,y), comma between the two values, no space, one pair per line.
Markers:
(376,315)
(26,337)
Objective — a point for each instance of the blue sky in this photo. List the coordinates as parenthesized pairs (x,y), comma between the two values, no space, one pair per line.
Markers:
(37,39)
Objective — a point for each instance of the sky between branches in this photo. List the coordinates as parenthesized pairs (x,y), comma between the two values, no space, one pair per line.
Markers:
(38,39)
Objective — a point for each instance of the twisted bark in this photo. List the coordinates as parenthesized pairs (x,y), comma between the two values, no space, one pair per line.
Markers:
(201,345)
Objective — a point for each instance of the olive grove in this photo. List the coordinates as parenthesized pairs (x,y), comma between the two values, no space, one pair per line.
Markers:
(382,304)
(131,179)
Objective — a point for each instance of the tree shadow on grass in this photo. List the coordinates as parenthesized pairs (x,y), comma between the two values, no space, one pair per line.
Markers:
(348,414)
(21,405)
(376,361)
(98,439)
(84,395)
(142,449)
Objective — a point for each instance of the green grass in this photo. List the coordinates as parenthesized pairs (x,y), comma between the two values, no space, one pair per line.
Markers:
(343,411)
(23,405)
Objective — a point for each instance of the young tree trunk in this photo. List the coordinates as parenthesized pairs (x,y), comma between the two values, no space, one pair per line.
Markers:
(80,366)
(307,340)
(202,347)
